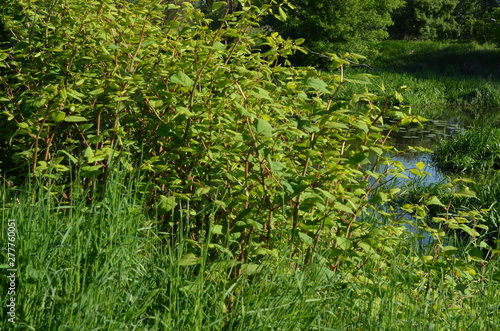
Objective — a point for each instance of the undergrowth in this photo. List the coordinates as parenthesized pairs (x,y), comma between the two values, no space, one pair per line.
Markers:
(105,265)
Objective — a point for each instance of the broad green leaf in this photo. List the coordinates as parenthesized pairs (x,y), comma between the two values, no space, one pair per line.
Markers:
(471,232)
(97,91)
(434,200)
(305,238)
(75,94)
(71,157)
(319,85)
(263,128)
(476,254)
(343,243)
(450,250)
(181,79)
(260,93)
(420,165)
(416,172)
(218,46)
(362,126)
(218,5)
(89,153)
(342,207)
(282,15)
(58,116)
(166,204)
(189,259)
(63,93)
(464,193)
(217,229)
(74,118)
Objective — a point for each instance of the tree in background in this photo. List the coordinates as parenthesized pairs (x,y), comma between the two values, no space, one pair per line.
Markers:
(336,26)
(484,24)
(443,19)
(428,19)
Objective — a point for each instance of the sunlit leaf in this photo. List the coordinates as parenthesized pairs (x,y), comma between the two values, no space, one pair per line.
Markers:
(74,118)
(263,128)
(319,85)
(181,79)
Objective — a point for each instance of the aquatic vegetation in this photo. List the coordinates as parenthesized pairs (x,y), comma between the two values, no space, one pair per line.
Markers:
(470,151)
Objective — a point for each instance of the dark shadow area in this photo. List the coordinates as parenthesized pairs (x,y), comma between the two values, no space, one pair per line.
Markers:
(425,59)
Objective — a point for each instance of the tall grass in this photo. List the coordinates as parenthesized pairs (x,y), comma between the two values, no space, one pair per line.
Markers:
(470,151)
(105,265)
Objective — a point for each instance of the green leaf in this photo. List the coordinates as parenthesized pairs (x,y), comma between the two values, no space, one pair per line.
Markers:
(263,128)
(58,116)
(218,5)
(166,204)
(261,94)
(181,79)
(362,126)
(319,85)
(75,119)
(189,259)
(416,172)
(89,153)
(218,46)
(217,229)
(343,243)
(341,207)
(305,238)
(282,15)
(71,157)
(464,193)
(434,200)
(450,250)
(476,254)
(75,94)
(113,46)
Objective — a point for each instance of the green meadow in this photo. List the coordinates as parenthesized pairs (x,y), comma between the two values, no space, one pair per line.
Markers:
(105,265)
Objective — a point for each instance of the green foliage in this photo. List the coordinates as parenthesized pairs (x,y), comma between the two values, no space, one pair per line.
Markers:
(445,79)
(105,265)
(444,19)
(255,173)
(221,125)
(336,26)
(470,151)
(430,19)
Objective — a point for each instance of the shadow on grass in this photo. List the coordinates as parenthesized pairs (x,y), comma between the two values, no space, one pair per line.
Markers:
(428,58)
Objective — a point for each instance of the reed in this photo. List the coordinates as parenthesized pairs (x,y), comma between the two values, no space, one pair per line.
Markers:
(470,151)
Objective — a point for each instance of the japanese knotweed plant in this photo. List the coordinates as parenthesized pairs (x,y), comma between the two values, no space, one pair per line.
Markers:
(244,150)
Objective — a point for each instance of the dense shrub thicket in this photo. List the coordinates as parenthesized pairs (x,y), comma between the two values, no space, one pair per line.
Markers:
(173,158)
(237,141)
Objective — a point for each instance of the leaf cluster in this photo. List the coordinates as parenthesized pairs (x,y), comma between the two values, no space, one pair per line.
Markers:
(243,150)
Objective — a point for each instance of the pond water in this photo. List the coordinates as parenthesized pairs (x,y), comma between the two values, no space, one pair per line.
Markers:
(428,135)
(450,122)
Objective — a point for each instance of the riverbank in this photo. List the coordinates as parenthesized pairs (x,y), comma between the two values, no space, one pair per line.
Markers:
(444,80)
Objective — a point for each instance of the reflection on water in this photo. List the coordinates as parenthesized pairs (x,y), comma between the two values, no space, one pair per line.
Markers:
(428,135)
